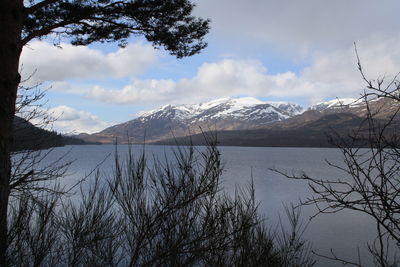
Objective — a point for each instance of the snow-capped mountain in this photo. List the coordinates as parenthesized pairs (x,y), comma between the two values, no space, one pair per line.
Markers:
(246,109)
(380,107)
(179,120)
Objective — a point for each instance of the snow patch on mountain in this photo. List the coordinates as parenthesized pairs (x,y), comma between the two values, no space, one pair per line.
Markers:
(211,104)
(337,103)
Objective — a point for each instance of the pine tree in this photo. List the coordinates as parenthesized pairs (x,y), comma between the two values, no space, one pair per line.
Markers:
(164,23)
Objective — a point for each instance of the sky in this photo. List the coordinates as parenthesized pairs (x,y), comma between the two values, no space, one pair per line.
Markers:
(300,51)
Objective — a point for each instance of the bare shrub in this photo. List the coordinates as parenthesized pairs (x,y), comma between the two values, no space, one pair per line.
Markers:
(154,212)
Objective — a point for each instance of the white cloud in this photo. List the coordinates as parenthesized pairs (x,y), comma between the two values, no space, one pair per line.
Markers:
(50,63)
(331,74)
(67,87)
(69,120)
(138,92)
(220,79)
(303,25)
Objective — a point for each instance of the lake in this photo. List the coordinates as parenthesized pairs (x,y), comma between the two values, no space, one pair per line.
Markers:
(344,232)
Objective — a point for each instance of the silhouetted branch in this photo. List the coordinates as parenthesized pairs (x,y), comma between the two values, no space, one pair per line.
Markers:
(370,183)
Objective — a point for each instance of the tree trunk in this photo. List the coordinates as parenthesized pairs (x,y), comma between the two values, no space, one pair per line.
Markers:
(11,19)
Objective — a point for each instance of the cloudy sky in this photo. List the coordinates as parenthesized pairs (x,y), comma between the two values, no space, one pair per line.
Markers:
(299,51)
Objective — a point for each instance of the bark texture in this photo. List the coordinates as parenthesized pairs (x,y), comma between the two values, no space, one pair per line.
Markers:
(11,19)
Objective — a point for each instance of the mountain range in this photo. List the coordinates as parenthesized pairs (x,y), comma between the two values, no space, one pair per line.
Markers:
(180,120)
(243,121)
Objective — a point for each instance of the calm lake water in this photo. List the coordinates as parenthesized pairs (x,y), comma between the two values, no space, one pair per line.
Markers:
(343,232)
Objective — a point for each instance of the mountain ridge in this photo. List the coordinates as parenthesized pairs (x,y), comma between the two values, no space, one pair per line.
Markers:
(233,117)
(220,114)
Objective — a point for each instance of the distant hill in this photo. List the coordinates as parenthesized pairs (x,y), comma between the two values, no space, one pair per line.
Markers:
(29,137)
(250,122)
(321,132)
